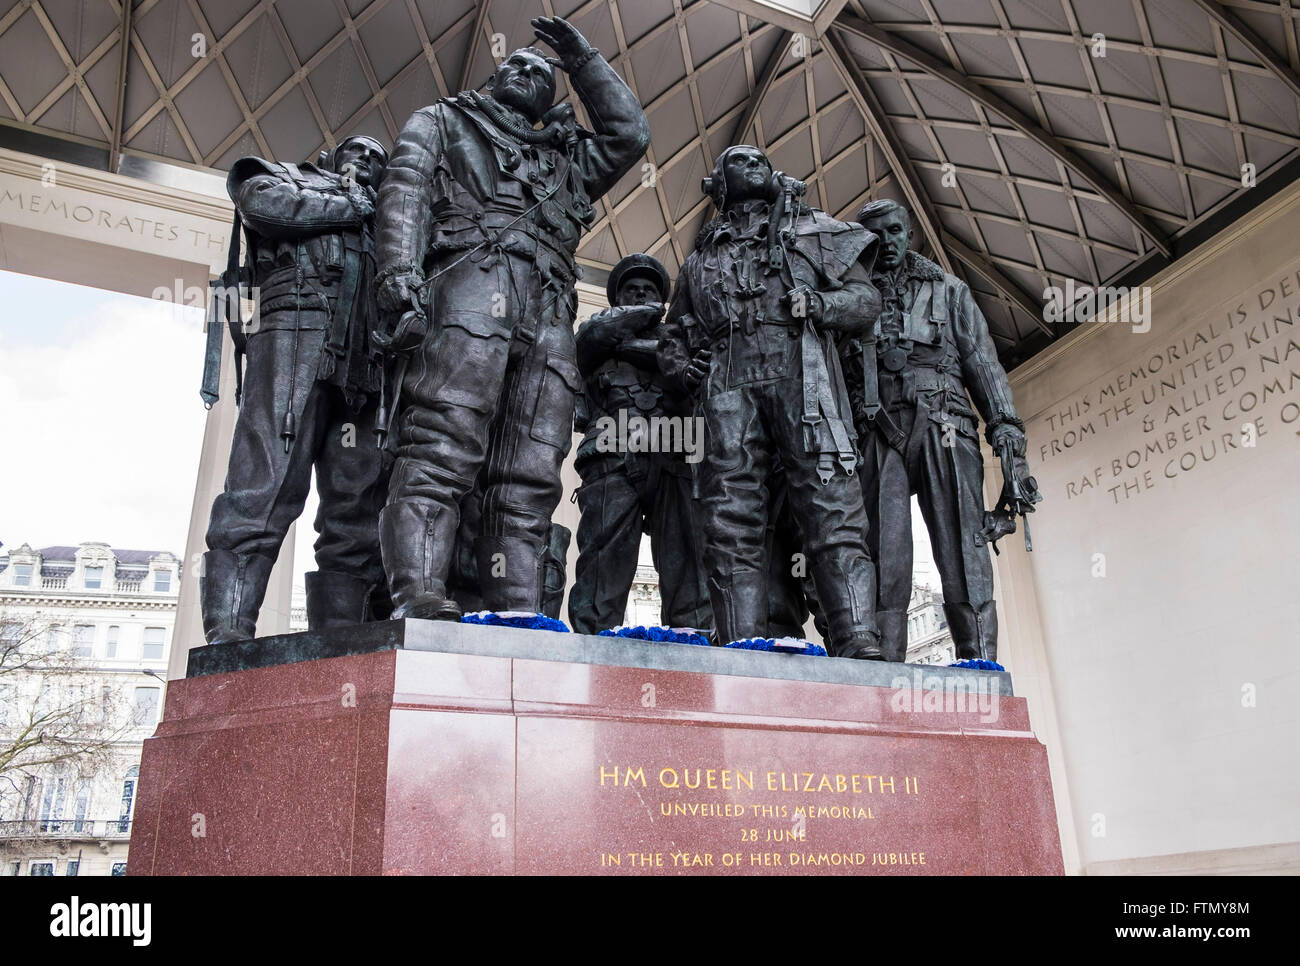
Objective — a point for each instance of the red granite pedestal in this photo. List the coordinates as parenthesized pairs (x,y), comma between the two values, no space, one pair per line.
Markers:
(403,761)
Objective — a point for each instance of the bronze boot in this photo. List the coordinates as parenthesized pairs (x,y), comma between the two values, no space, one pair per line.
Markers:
(413,538)
(336,599)
(893,634)
(510,573)
(740,605)
(231,590)
(974,630)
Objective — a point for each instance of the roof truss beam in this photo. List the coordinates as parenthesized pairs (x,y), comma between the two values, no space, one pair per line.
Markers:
(119,105)
(1257,45)
(882,131)
(986,270)
(764,84)
(1012,115)
(467,68)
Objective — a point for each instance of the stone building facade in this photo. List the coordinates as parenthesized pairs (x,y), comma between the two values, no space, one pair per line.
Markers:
(111,611)
(929,641)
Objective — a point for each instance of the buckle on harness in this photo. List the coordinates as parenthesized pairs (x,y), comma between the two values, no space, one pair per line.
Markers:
(825,468)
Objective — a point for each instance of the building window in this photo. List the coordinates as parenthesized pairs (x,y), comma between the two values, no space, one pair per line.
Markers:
(41,868)
(128,803)
(52,805)
(31,797)
(113,633)
(44,699)
(6,699)
(94,578)
(22,575)
(74,702)
(73,866)
(146,706)
(154,638)
(162,581)
(119,868)
(83,639)
(81,809)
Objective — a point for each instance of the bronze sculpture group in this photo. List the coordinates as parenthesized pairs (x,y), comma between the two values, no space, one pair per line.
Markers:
(426,300)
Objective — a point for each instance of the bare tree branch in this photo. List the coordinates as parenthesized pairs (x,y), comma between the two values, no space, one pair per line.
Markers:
(55,712)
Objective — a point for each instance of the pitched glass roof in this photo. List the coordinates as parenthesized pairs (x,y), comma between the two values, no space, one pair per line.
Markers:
(1036,140)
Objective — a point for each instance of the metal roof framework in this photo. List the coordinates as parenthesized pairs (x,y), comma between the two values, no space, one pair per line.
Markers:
(1035,140)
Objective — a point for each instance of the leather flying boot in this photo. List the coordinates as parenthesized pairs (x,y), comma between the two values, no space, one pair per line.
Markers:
(336,599)
(510,573)
(231,590)
(862,647)
(740,605)
(986,623)
(893,634)
(554,570)
(974,630)
(961,625)
(413,539)
(847,593)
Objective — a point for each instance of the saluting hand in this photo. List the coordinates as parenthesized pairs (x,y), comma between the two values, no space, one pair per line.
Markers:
(562,37)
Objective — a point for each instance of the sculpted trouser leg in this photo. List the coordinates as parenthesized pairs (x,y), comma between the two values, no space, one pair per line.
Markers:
(462,580)
(479,400)
(528,441)
(731,483)
(790,586)
(609,541)
(675,548)
(887,494)
(833,524)
(949,488)
(266,488)
(788,611)
(352,487)
(449,397)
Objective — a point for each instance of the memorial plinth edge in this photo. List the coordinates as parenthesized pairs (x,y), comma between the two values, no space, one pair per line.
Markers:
(535,645)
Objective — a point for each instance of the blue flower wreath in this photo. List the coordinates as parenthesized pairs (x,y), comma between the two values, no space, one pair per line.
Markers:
(782,645)
(979,665)
(532,622)
(657,633)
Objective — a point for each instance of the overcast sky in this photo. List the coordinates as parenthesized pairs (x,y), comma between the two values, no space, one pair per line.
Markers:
(101,422)
(100,418)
